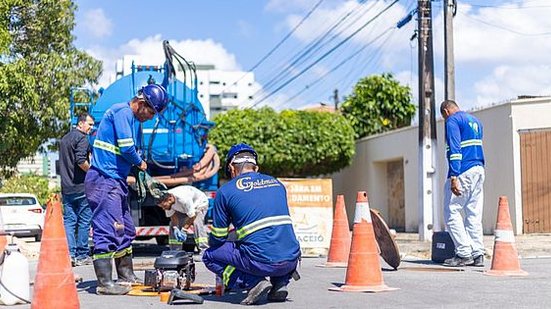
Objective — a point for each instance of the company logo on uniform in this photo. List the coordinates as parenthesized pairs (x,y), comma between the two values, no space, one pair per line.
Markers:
(246,184)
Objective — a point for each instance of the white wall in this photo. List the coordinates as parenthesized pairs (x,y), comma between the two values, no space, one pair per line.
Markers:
(501,149)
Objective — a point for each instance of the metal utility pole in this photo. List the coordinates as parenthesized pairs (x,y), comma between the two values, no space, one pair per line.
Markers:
(427,120)
(336,99)
(449,79)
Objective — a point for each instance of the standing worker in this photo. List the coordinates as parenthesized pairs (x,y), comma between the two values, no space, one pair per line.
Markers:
(266,246)
(186,206)
(464,186)
(114,153)
(74,151)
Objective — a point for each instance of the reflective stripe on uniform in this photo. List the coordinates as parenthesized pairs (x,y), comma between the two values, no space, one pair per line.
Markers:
(263,223)
(115,254)
(107,147)
(172,241)
(201,240)
(219,231)
(125,142)
(227,274)
(471,142)
(456,156)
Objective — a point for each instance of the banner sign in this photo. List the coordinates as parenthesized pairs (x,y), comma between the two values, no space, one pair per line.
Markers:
(311,207)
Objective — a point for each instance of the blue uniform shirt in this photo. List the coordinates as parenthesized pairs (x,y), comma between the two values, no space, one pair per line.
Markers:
(114,150)
(256,205)
(463,143)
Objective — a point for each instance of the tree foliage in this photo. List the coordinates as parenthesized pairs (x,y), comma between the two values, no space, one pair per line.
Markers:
(378,104)
(38,66)
(290,143)
(34,184)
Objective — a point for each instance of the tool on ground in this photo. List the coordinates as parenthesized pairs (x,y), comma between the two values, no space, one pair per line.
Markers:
(176,295)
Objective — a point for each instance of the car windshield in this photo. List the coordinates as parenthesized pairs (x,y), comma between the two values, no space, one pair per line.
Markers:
(17,201)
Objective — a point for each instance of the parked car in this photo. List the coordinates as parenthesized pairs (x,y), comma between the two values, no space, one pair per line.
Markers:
(22,215)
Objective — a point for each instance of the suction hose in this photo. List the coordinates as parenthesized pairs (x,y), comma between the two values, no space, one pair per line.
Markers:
(207,167)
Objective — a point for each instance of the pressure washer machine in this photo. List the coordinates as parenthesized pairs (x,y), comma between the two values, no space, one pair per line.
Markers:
(174,269)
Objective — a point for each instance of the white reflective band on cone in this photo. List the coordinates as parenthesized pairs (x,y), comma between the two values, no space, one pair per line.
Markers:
(505,236)
(362,213)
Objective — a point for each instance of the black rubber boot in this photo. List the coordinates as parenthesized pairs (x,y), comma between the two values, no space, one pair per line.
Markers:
(125,271)
(106,285)
(278,293)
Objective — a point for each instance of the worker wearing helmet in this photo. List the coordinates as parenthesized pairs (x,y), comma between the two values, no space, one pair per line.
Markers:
(114,153)
(266,245)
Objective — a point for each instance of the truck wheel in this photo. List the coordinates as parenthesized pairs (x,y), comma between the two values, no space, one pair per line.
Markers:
(161,240)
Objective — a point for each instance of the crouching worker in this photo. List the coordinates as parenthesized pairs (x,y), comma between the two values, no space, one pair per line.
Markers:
(266,246)
(186,206)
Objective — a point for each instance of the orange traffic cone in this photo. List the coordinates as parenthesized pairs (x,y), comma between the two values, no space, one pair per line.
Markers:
(505,259)
(54,284)
(364,268)
(339,247)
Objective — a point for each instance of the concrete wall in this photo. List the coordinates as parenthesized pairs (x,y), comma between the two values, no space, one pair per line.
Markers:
(501,147)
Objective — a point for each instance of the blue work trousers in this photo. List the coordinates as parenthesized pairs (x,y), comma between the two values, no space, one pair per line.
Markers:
(113,228)
(76,219)
(238,270)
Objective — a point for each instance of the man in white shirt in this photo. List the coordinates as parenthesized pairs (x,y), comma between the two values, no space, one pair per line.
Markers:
(186,206)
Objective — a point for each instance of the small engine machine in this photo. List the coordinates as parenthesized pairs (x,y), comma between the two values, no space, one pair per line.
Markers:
(174,269)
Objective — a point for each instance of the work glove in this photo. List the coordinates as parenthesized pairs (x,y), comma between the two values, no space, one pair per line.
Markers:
(179,235)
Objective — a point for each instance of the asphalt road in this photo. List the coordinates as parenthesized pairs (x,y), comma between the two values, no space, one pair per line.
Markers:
(419,287)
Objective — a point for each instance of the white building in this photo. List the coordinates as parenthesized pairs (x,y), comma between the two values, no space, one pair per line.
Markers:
(39,165)
(218,90)
(517,143)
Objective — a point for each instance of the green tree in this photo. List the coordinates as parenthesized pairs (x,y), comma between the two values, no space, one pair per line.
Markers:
(290,143)
(378,104)
(38,66)
(34,184)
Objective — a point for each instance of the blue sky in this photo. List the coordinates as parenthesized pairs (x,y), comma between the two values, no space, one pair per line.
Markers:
(502,48)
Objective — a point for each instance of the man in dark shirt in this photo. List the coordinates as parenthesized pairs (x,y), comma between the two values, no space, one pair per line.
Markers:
(74,162)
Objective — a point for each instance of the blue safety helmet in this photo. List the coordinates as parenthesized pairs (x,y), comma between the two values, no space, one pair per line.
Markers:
(155,95)
(237,149)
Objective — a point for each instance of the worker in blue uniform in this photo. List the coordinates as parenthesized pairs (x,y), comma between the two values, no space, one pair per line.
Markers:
(266,246)
(114,153)
(464,186)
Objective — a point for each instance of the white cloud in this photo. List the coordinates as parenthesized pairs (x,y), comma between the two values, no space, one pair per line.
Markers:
(388,49)
(507,81)
(319,21)
(150,50)
(488,35)
(97,23)
(411,79)
(485,45)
